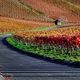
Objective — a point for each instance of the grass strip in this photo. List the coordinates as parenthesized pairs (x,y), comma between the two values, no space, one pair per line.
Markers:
(42,52)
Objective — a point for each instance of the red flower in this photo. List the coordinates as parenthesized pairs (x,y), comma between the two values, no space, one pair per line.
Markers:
(78,41)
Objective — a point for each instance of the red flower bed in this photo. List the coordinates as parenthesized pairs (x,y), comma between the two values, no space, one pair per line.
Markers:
(64,41)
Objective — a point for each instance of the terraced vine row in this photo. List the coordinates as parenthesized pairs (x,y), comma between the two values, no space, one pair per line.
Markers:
(13,25)
(61,43)
(60,31)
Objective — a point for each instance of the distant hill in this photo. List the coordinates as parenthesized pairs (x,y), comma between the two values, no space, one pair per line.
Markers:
(66,9)
(71,5)
(40,10)
(75,1)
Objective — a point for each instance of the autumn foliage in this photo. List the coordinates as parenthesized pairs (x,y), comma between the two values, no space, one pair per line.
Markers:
(63,39)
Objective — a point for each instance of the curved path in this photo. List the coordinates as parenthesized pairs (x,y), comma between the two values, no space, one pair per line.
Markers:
(13,62)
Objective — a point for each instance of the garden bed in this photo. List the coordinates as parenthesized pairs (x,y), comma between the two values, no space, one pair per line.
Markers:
(45,53)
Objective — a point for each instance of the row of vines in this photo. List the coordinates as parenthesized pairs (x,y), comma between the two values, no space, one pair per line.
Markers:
(63,40)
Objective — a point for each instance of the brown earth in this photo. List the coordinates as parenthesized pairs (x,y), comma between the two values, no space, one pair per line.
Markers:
(18,10)
(52,11)
(34,10)
(29,22)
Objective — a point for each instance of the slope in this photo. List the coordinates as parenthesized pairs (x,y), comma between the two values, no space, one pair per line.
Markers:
(72,6)
(52,10)
(16,9)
